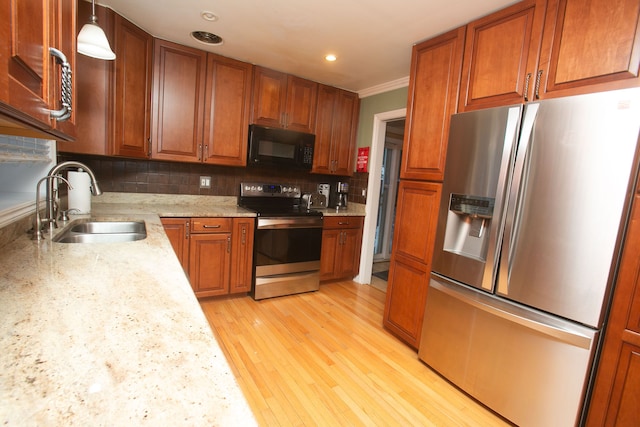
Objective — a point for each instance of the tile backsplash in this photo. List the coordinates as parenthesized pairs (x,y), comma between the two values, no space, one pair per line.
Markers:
(146,176)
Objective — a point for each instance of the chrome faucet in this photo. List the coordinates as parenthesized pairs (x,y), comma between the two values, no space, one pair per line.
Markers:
(51,214)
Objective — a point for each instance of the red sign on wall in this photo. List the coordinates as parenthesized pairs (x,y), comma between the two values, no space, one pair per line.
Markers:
(363,159)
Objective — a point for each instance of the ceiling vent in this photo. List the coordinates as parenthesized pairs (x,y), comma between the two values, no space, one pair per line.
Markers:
(207,38)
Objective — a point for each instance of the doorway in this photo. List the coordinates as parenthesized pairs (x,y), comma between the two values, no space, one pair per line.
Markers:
(374,189)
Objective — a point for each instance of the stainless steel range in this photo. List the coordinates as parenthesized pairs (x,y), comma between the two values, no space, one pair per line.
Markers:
(288,239)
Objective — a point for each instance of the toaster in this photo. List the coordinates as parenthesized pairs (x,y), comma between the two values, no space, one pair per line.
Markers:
(314,200)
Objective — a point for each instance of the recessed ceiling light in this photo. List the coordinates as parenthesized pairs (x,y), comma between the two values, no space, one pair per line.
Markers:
(207,38)
(331,57)
(208,16)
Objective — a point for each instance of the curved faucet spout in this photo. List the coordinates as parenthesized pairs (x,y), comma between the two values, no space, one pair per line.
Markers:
(37,227)
(51,214)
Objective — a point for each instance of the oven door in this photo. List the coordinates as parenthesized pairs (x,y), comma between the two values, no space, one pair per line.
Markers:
(287,255)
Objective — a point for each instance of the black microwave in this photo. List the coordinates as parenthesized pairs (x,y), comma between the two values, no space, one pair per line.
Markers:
(280,148)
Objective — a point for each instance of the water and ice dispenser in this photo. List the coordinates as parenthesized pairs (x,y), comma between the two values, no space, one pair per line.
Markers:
(468,224)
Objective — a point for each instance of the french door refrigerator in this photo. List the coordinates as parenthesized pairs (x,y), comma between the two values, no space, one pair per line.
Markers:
(533,213)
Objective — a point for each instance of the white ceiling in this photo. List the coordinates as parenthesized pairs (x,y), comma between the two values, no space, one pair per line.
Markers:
(371,38)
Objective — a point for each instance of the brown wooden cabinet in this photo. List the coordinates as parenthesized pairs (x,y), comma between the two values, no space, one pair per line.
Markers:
(415,226)
(614,401)
(210,256)
(132,96)
(341,243)
(241,255)
(227,109)
(433,95)
(94,84)
(589,46)
(336,127)
(177,230)
(501,56)
(216,253)
(178,102)
(31,82)
(284,101)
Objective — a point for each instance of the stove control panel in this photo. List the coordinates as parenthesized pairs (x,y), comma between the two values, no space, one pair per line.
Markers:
(255,189)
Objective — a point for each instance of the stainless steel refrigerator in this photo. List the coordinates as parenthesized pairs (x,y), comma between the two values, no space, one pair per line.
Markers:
(534,206)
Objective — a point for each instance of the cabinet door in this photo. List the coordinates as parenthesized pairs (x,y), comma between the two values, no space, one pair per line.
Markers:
(322,152)
(406,298)
(177,230)
(329,253)
(94,84)
(227,108)
(63,37)
(132,98)
(348,263)
(589,46)
(27,62)
(300,110)
(209,263)
(178,102)
(433,95)
(414,233)
(269,97)
(501,56)
(241,255)
(615,394)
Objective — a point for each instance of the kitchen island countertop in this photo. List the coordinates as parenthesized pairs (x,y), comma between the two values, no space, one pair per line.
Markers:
(109,334)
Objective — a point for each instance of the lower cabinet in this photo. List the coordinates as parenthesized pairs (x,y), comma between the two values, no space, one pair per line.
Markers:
(341,243)
(614,401)
(217,253)
(414,234)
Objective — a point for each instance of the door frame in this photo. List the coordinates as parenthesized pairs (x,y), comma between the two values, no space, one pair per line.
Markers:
(373,191)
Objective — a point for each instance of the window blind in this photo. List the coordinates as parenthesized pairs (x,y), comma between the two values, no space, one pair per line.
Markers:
(22,149)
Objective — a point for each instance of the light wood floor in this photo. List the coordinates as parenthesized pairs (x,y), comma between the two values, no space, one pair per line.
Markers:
(323,358)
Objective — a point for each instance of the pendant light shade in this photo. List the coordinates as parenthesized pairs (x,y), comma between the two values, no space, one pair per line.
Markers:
(92,41)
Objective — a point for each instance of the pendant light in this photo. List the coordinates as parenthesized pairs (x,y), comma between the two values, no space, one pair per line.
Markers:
(92,41)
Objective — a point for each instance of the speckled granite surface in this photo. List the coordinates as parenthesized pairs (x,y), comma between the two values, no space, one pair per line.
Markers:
(108,334)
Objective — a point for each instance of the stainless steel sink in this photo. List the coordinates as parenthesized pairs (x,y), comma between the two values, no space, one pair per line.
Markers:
(83,231)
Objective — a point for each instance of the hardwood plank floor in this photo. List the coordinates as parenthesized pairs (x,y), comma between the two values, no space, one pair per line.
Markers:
(323,358)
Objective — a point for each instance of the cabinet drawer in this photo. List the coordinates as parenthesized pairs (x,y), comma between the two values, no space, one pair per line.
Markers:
(343,221)
(210,225)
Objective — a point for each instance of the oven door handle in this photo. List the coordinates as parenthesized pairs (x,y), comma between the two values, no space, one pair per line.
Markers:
(289,222)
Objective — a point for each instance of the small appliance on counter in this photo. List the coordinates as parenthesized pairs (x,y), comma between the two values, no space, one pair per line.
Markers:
(314,200)
(338,195)
(324,189)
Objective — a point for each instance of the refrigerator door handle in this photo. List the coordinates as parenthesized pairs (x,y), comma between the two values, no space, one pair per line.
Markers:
(574,335)
(517,183)
(493,248)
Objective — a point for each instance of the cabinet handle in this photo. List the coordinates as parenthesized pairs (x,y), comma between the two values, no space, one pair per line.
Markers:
(210,226)
(244,236)
(148,147)
(228,244)
(538,78)
(186,230)
(526,87)
(199,152)
(66,87)
(206,152)
(343,223)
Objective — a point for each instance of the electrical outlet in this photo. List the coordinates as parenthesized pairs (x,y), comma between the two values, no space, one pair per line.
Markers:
(205,182)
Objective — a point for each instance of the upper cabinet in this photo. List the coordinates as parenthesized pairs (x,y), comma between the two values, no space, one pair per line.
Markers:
(132,96)
(433,95)
(227,110)
(178,102)
(37,57)
(589,46)
(501,56)
(284,101)
(336,126)
(537,49)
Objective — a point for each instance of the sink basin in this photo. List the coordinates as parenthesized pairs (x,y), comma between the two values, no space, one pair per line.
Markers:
(102,232)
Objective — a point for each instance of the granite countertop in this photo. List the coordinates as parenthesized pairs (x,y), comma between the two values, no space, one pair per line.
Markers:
(109,334)
(112,334)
